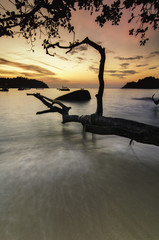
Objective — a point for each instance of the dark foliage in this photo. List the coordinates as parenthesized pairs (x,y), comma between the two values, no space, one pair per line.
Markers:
(20,82)
(146,83)
(44,16)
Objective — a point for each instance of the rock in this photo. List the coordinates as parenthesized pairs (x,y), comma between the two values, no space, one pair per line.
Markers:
(79,95)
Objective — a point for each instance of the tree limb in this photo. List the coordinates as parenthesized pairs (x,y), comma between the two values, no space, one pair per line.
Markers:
(94,123)
(99,96)
(133,130)
(46,101)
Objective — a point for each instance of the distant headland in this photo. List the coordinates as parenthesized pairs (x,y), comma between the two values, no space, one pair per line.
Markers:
(20,82)
(146,83)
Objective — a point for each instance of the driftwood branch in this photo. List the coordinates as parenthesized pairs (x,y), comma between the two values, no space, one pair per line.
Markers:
(133,130)
(94,123)
(63,109)
(99,96)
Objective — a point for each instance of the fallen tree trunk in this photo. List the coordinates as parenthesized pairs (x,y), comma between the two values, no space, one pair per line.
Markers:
(133,130)
(94,123)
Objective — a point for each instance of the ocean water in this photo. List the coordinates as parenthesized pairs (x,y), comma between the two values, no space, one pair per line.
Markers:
(58,183)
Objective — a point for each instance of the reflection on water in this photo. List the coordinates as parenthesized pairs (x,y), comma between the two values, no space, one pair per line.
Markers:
(155,112)
(58,183)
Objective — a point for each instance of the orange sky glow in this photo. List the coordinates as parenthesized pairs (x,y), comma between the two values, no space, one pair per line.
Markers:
(126,60)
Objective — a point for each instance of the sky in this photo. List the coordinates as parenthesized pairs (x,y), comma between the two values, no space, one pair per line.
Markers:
(126,60)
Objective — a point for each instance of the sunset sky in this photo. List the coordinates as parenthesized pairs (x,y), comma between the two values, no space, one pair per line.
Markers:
(126,60)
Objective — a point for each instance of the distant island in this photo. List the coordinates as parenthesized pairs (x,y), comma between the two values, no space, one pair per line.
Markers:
(20,82)
(146,83)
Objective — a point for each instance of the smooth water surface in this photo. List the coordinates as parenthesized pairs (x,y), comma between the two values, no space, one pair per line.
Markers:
(57,183)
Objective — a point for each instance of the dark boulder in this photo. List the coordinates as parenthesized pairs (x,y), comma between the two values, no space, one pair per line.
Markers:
(79,95)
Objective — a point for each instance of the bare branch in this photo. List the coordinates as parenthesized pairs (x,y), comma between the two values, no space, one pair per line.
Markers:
(45,111)
(97,47)
(47,45)
(46,101)
(1,6)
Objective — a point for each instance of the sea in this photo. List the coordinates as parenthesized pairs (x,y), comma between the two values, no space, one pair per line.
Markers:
(59,183)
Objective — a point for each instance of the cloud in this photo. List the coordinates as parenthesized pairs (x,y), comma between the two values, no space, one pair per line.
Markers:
(33,68)
(153,54)
(109,51)
(114,72)
(129,58)
(124,65)
(152,67)
(126,72)
(55,82)
(3,61)
(94,69)
(50,65)
(80,59)
(83,48)
(79,49)
(28,75)
(62,57)
(121,74)
(106,50)
(129,72)
(111,71)
(142,65)
(51,81)
(99,42)
(8,72)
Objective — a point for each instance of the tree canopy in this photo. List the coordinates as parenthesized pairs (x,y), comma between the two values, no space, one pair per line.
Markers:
(30,17)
